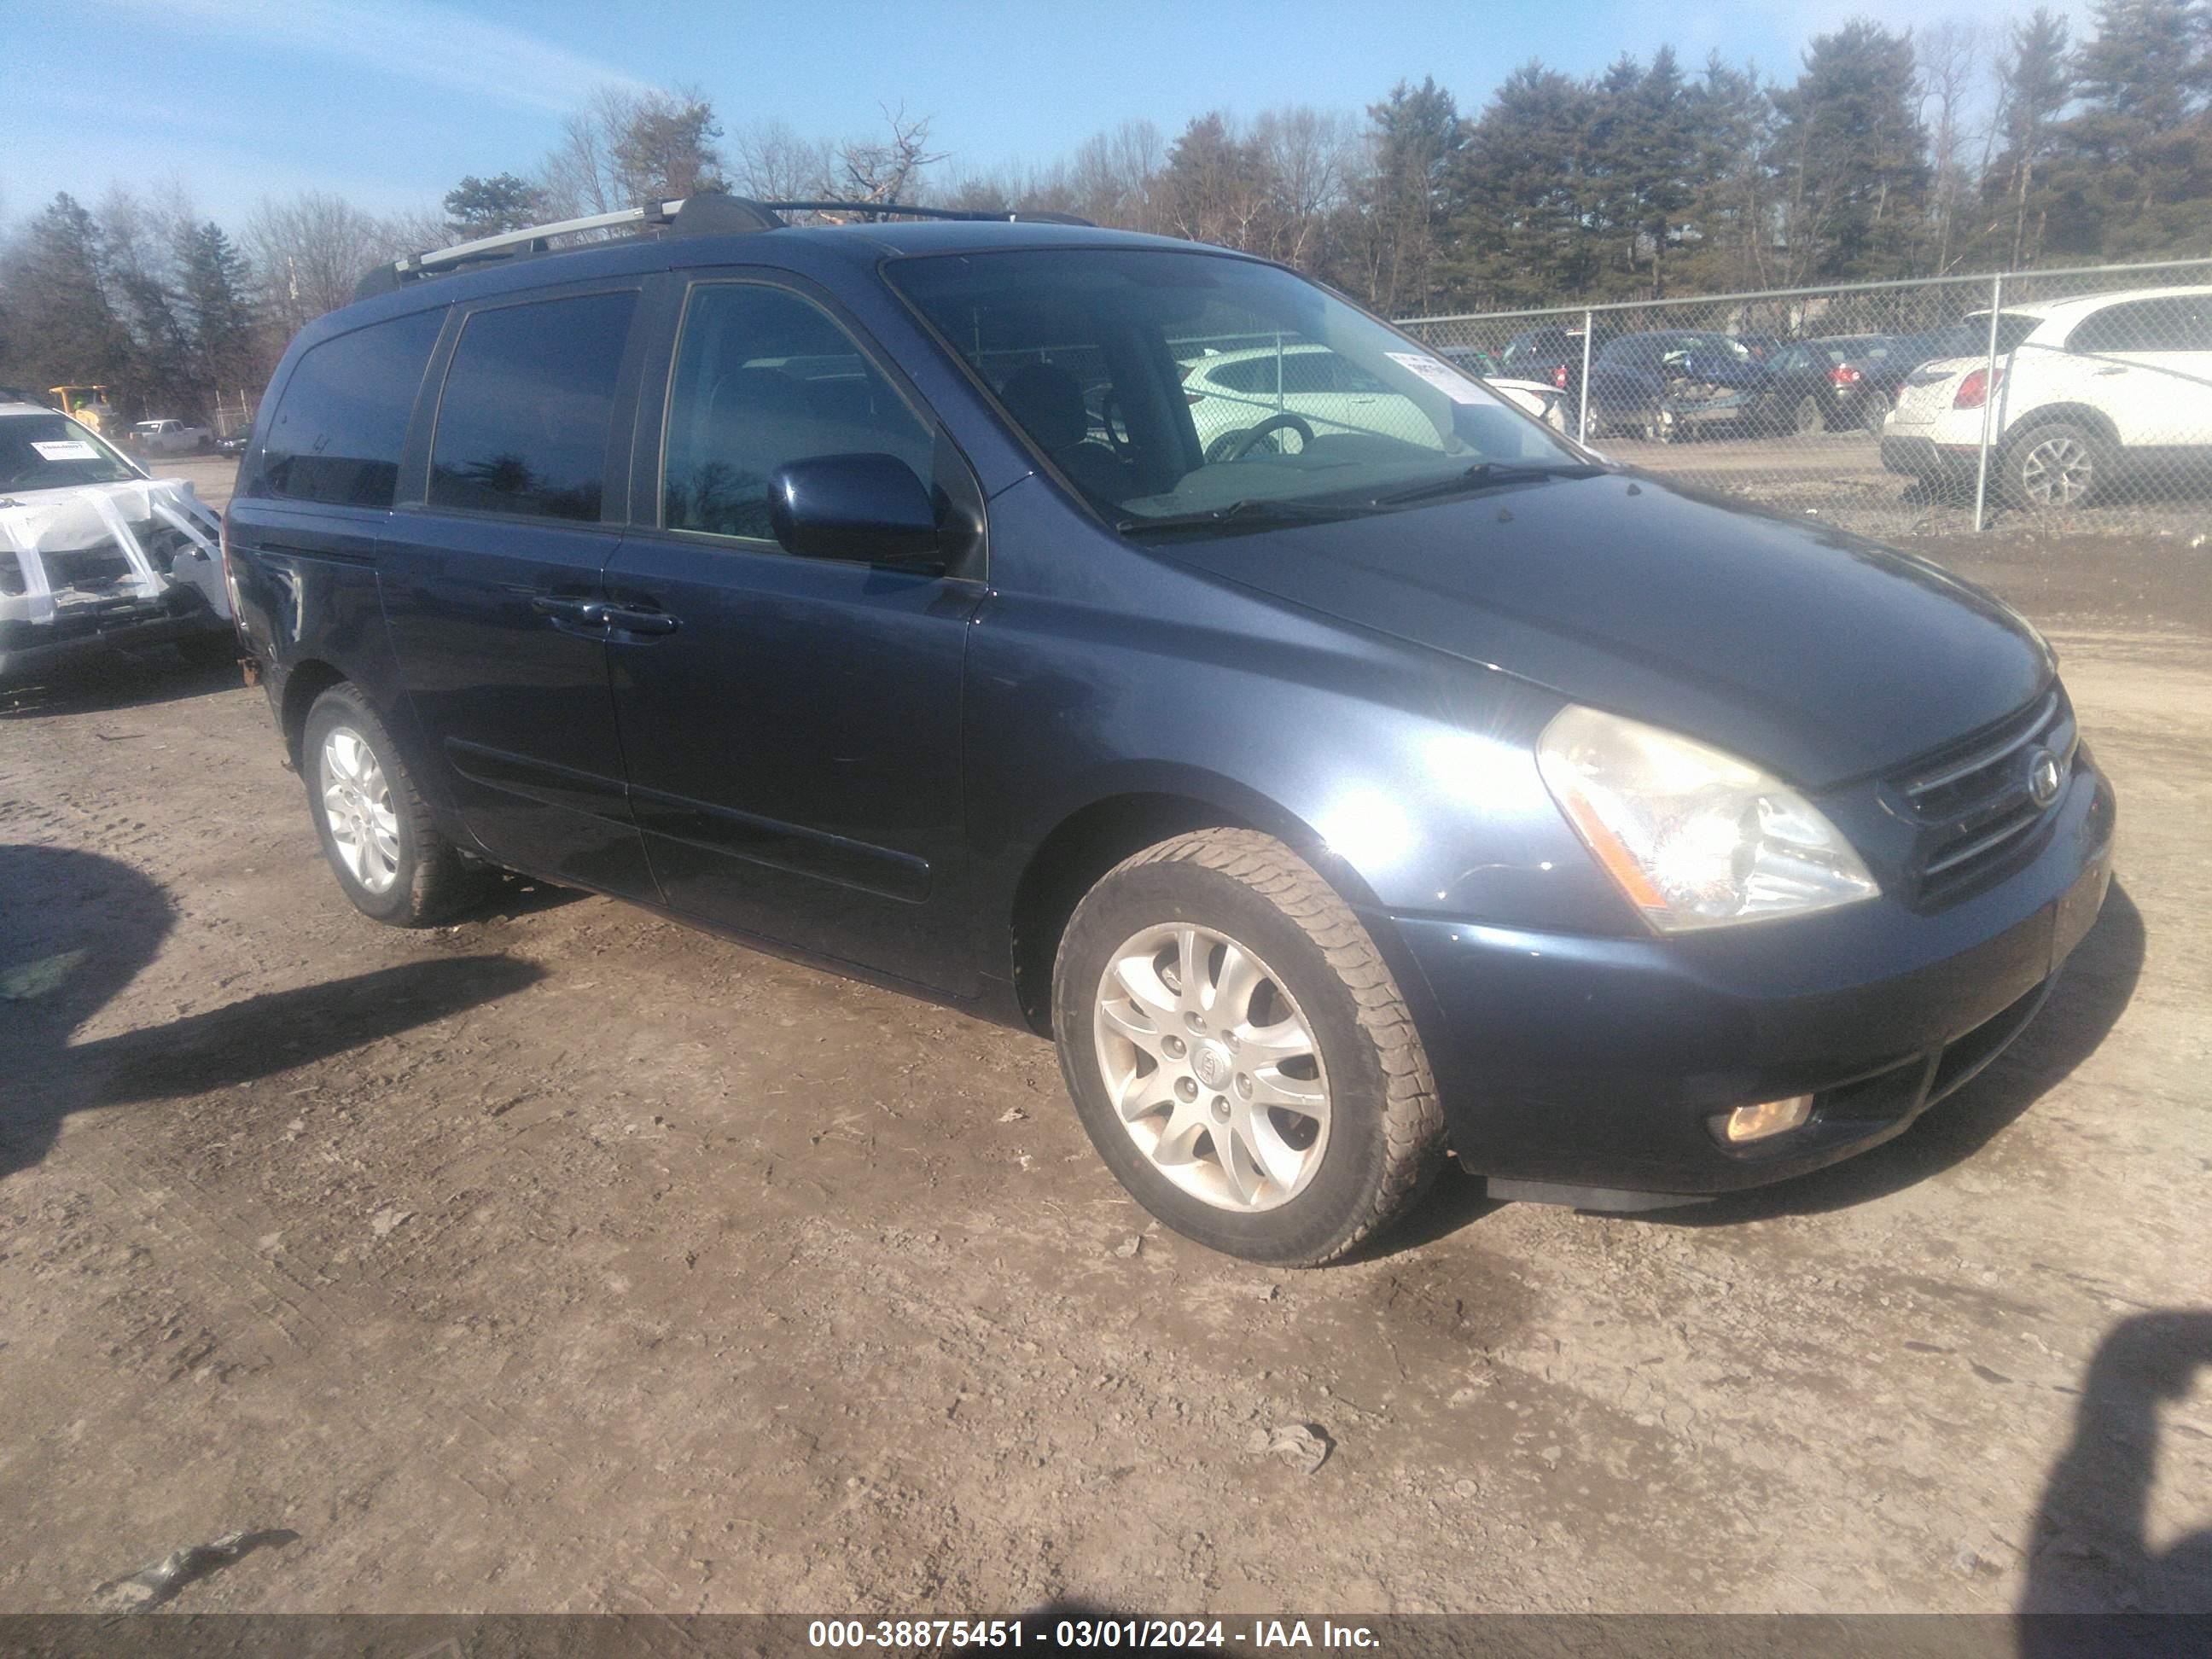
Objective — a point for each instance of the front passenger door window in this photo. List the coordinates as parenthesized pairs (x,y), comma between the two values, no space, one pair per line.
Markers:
(765,377)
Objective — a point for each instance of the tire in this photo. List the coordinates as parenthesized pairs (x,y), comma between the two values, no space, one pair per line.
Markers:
(410,875)
(2055,465)
(1295,1187)
(1805,416)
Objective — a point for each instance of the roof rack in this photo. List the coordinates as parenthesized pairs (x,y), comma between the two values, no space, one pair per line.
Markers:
(901,211)
(708,215)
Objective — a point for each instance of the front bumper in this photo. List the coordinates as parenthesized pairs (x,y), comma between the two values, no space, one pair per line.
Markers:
(1596,1062)
(180,614)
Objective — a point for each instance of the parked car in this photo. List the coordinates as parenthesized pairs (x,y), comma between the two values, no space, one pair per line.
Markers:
(168,437)
(235,443)
(94,555)
(1881,378)
(1546,402)
(1667,382)
(1231,393)
(2086,391)
(1551,355)
(1327,806)
(1823,385)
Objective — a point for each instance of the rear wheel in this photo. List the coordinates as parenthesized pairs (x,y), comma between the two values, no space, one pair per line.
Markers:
(388,855)
(1805,416)
(1239,1053)
(2056,465)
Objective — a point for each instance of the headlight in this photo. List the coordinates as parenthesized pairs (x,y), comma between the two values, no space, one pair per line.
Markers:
(1695,837)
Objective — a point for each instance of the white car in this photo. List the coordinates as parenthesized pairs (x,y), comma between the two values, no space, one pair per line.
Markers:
(168,437)
(94,554)
(2086,390)
(1230,393)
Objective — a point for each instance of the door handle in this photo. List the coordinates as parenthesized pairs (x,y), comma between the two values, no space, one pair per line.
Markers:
(591,613)
(623,620)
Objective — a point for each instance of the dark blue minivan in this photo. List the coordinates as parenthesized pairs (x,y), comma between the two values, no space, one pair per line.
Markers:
(1365,773)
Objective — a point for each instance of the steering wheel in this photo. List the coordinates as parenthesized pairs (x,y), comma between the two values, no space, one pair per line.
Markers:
(1109,417)
(1236,446)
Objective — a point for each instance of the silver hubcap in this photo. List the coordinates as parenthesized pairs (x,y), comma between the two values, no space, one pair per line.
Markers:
(2056,472)
(1211,1067)
(357,804)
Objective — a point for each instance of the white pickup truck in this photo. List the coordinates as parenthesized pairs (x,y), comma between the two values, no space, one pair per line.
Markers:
(166,437)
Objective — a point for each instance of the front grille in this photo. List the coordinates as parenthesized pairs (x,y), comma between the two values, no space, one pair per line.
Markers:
(1973,800)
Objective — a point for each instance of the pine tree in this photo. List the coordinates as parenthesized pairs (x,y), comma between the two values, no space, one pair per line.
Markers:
(1519,236)
(1851,158)
(1729,246)
(485,207)
(218,306)
(1640,152)
(2133,173)
(1413,135)
(2035,82)
(65,324)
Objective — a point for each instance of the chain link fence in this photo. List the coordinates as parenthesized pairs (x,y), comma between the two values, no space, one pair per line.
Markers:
(2075,400)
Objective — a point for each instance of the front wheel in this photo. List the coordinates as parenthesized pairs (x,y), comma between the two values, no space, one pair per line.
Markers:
(1239,1053)
(386,853)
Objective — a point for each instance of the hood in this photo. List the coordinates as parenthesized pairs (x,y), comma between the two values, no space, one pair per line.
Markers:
(1817,655)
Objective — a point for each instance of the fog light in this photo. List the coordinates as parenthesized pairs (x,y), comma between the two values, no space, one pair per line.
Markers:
(1760,1122)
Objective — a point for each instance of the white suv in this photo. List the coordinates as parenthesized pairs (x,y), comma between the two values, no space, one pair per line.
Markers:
(2086,390)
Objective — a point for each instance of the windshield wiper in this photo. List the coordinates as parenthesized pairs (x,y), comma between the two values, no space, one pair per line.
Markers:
(1252,513)
(1483,473)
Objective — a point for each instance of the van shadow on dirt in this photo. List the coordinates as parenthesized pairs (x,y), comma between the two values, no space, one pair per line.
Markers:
(76,929)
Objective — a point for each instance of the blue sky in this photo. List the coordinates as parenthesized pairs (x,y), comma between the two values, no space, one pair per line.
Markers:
(388,102)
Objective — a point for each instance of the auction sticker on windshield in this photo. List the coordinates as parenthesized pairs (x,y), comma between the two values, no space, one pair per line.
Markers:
(66,449)
(1441,375)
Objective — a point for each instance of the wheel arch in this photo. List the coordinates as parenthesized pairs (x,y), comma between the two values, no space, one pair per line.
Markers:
(1089,838)
(304,682)
(2081,414)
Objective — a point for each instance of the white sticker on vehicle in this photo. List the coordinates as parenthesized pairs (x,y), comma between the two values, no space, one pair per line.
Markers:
(66,449)
(1441,375)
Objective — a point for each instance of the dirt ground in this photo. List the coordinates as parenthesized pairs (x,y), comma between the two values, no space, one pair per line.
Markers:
(567,1260)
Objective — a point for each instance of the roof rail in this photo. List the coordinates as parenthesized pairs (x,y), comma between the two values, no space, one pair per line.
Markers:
(710,214)
(900,210)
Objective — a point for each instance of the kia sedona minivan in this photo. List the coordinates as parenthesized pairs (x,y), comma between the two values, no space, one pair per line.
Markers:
(1335,793)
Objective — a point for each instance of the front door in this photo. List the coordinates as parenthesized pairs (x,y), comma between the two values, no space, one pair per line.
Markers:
(490,581)
(794,740)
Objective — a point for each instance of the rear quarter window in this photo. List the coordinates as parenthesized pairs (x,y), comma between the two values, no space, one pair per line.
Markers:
(342,420)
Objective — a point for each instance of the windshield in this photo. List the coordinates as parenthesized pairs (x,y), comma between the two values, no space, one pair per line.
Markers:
(53,452)
(1167,385)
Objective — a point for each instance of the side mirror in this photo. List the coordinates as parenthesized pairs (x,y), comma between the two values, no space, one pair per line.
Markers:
(866,509)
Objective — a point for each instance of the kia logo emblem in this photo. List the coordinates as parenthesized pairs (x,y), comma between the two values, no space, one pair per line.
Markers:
(2043,777)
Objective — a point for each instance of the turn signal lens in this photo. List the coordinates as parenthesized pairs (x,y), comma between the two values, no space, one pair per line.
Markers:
(1760,1122)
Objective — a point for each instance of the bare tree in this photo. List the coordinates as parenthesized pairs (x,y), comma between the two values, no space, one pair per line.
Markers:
(311,250)
(1951,62)
(770,162)
(1306,155)
(886,169)
(1113,175)
(624,148)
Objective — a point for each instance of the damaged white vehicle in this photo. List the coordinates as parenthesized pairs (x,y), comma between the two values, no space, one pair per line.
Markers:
(94,554)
